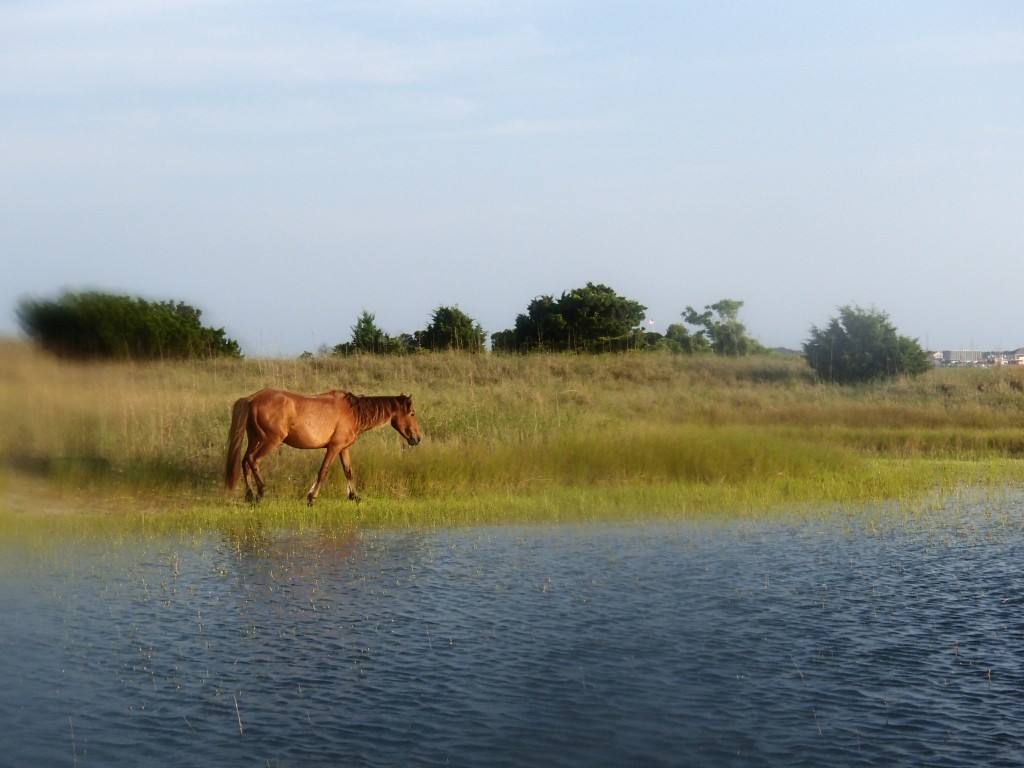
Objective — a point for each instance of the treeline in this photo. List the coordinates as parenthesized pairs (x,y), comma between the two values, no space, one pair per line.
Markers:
(858,345)
(449,328)
(590,319)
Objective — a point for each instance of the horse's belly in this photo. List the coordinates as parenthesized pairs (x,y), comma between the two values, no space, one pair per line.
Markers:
(306,439)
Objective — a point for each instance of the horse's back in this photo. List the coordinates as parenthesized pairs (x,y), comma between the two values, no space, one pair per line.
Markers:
(302,421)
(280,397)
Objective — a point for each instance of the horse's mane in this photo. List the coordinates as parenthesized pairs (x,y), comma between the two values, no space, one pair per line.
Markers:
(373,410)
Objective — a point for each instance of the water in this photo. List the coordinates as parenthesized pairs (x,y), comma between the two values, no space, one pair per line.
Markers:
(785,643)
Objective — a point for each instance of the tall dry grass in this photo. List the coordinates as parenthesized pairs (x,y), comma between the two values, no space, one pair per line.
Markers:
(664,430)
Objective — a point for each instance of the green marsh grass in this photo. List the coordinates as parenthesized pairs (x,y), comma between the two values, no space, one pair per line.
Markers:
(507,438)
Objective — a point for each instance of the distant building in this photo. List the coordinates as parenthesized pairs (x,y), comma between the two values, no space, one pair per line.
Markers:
(972,357)
(962,357)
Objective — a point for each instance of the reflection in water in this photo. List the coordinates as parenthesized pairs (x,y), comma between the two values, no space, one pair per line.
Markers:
(784,643)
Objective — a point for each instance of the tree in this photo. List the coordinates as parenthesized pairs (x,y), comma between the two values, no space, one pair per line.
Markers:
(679,339)
(862,345)
(590,319)
(596,317)
(451,328)
(100,325)
(542,327)
(366,336)
(504,341)
(722,331)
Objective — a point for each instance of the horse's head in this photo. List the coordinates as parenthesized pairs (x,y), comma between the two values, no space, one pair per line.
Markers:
(404,420)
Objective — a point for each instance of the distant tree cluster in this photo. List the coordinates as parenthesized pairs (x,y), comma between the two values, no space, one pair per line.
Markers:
(449,329)
(589,319)
(859,345)
(717,329)
(593,318)
(99,325)
(367,338)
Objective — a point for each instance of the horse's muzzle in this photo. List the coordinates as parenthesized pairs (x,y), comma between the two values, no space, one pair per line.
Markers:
(413,439)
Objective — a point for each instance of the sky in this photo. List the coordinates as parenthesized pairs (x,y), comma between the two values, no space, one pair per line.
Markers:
(285,165)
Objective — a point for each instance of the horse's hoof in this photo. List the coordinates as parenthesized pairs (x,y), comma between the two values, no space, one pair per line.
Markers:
(310,499)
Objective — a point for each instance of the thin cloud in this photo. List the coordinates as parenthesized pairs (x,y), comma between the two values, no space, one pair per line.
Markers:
(57,50)
(554,127)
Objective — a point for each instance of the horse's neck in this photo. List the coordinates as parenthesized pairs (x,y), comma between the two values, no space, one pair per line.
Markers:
(373,411)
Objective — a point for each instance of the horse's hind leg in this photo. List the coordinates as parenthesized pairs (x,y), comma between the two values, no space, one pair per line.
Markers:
(253,479)
(247,472)
(251,466)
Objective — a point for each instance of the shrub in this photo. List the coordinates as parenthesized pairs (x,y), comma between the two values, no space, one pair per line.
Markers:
(862,345)
(100,325)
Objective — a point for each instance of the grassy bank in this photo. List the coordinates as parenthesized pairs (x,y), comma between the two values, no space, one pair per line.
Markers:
(548,437)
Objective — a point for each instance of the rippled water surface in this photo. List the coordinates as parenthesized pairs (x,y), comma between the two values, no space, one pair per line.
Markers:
(782,643)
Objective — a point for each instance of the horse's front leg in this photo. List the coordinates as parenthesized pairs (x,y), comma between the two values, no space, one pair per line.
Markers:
(321,476)
(346,464)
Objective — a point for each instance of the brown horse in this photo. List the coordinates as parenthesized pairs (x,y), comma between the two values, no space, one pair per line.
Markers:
(332,420)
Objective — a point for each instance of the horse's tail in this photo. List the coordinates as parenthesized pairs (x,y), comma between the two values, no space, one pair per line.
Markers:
(233,461)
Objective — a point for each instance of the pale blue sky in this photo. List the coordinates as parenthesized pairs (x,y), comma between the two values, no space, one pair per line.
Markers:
(283,165)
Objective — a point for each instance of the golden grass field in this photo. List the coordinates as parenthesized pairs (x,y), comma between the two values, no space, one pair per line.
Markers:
(506,438)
